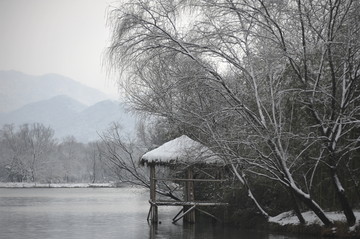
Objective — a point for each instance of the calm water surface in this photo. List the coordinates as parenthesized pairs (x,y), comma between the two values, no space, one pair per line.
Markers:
(104,213)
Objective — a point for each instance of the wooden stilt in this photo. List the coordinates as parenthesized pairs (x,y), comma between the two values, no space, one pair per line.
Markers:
(153,229)
(190,210)
(209,214)
(178,214)
(189,195)
(150,210)
(154,209)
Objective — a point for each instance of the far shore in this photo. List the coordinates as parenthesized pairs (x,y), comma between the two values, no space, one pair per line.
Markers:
(60,185)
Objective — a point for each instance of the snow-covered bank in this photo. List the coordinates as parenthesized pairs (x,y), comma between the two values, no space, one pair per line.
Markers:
(288,222)
(289,218)
(57,185)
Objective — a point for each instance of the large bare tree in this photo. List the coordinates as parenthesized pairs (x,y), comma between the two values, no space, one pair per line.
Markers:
(261,63)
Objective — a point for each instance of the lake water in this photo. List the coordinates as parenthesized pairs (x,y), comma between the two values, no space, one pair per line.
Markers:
(104,213)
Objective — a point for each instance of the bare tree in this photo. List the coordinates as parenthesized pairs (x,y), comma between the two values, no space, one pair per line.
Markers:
(73,157)
(122,156)
(323,51)
(29,147)
(94,162)
(263,62)
(15,163)
(168,40)
(41,143)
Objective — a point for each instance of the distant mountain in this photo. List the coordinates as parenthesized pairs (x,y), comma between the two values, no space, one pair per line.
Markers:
(18,89)
(70,117)
(97,118)
(56,109)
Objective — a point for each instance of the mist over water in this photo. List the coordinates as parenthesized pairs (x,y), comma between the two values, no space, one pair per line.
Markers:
(85,213)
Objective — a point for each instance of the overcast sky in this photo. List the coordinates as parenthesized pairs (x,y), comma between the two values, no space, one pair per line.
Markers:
(66,37)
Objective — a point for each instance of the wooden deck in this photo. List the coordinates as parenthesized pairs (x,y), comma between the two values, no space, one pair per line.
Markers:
(188,207)
(183,203)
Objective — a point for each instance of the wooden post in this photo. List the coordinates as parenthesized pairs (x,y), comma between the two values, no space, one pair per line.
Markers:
(186,213)
(154,209)
(153,229)
(189,196)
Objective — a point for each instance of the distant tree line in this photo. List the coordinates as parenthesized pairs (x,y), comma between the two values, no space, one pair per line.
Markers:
(273,87)
(30,153)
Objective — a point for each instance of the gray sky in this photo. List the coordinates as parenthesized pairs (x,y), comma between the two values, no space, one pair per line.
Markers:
(66,37)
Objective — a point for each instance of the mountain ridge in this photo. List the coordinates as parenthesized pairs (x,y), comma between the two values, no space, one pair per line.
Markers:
(69,117)
(18,89)
(65,105)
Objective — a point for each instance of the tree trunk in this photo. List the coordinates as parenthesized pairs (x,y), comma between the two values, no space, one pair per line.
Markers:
(313,206)
(94,170)
(340,192)
(296,208)
(242,179)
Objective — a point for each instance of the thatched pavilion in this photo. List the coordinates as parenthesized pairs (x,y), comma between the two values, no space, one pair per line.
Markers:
(180,151)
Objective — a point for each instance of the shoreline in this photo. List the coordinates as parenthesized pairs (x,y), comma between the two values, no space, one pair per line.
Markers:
(287,222)
(61,185)
(339,230)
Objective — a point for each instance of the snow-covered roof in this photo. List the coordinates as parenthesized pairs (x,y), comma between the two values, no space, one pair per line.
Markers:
(181,150)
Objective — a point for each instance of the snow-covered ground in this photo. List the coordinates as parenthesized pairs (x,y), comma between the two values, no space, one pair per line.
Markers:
(55,185)
(288,218)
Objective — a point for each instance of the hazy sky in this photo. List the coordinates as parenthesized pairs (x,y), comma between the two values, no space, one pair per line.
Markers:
(66,37)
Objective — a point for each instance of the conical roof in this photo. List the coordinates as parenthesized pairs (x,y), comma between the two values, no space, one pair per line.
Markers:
(181,150)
